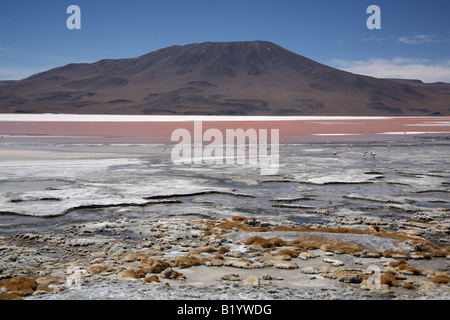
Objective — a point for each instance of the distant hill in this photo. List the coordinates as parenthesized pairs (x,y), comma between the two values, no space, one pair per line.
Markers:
(219,78)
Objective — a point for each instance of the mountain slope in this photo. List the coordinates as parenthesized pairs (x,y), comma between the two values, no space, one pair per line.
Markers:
(220,78)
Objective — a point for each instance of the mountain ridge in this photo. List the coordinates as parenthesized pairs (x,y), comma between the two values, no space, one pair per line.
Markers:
(219,78)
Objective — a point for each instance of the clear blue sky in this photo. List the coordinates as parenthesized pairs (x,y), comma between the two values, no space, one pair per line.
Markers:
(414,40)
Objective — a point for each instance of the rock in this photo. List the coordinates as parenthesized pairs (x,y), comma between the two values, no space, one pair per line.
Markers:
(231,277)
(169,273)
(371,254)
(334,262)
(348,277)
(80,242)
(395,254)
(305,255)
(352,222)
(419,255)
(381,288)
(310,270)
(234,254)
(152,278)
(282,264)
(327,269)
(214,262)
(252,281)
(28,236)
(242,263)
(269,260)
(217,261)
(412,232)
(71,269)
(269,277)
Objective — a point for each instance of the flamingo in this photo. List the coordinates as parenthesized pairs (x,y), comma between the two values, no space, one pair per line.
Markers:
(334,154)
(373,154)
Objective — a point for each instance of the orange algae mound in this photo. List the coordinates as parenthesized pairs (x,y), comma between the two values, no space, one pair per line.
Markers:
(19,286)
(265,243)
(441,279)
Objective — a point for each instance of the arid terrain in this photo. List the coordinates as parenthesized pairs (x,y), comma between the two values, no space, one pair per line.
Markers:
(121,221)
(230,258)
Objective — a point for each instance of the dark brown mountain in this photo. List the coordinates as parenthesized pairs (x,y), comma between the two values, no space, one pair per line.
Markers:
(223,78)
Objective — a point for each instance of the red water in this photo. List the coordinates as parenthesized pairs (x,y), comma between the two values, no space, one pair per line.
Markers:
(300,131)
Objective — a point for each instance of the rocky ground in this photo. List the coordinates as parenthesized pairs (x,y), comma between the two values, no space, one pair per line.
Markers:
(234,257)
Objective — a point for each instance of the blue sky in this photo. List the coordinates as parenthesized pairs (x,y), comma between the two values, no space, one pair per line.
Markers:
(413,42)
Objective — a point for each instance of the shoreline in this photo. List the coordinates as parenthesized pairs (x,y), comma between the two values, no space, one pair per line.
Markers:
(111,128)
(46,117)
(235,257)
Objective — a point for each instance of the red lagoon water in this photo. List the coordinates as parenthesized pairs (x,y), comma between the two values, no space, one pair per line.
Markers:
(106,128)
